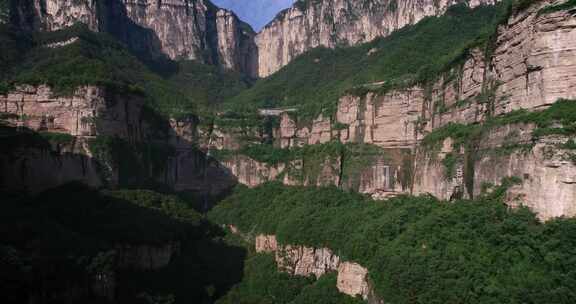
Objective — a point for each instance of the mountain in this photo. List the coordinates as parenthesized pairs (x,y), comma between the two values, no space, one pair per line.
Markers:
(199,30)
(178,29)
(330,23)
(394,152)
(255,12)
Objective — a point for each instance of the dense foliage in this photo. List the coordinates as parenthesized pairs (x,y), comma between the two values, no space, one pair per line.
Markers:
(314,81)
(172,88)
(558,119)
(420,250)
(55,245)
(264,284)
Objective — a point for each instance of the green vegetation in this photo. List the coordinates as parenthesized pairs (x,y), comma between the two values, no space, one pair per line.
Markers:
(263,283)
(449,162)
(68,239)
(58,138)
(558,119)
(169,205)
(314,81)
(207,85)
(173,89)
(139,163)
(420,250)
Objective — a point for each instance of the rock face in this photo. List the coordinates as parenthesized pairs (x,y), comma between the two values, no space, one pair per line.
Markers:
(198,30)
(352,279)
(179,29)
(534,59)
(531,66)
(329,23)
(90,113)
(305,261)
(548,183)
(379,175)
(35,169)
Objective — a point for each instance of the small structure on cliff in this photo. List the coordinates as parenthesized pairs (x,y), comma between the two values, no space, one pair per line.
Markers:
(275,111)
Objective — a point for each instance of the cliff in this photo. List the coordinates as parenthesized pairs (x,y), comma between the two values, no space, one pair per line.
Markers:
(179,29)
(331,23)
(198,30)
(352,278)
(459,124)
(101,137)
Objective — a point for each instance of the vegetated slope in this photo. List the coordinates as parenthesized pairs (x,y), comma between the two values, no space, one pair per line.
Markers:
(172,88)
(58,246)
(264,283)
(418,249)
(314,81)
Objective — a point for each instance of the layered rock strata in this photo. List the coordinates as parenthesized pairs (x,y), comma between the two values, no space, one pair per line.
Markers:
(530,67)
(383,176)
(91,113)
(306,261)
(331,23)
(179,29)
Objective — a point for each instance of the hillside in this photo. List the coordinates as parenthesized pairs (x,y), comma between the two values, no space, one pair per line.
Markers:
(378,151)
(314,81)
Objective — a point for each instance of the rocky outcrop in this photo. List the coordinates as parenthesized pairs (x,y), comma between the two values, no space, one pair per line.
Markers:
(306,261)
(102,131)
(547,184)
(179,29)
(252,173)
(88,111)
(543,169)
(530,67)
(534,59)
(383,175)
(352,279)
(330,23)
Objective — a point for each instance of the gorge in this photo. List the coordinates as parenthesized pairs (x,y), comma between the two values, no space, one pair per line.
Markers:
(380,151)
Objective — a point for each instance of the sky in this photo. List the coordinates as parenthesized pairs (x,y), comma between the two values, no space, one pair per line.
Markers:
(255,12)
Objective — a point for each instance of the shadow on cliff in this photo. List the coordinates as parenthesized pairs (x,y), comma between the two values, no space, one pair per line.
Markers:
(145,44)
(74,244)
(152,152)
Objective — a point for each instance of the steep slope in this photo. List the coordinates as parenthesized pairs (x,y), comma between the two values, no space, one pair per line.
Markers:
(330,23)
(314,81)
(506,99)
(407,249)
(109,119)
(179,29)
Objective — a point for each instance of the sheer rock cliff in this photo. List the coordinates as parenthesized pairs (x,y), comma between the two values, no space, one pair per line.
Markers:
(331,23)
(178,29)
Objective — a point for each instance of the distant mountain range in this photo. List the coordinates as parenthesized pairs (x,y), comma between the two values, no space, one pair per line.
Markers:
(255,12)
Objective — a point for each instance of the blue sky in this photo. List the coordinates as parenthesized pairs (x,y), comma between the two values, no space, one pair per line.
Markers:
(255,12)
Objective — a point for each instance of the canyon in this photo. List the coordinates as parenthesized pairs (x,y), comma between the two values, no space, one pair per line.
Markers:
(466,133)
(530,68)
(198,30)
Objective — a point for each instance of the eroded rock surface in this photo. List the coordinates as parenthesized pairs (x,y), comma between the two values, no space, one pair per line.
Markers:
(179,29)
(305,261)
(330,23)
